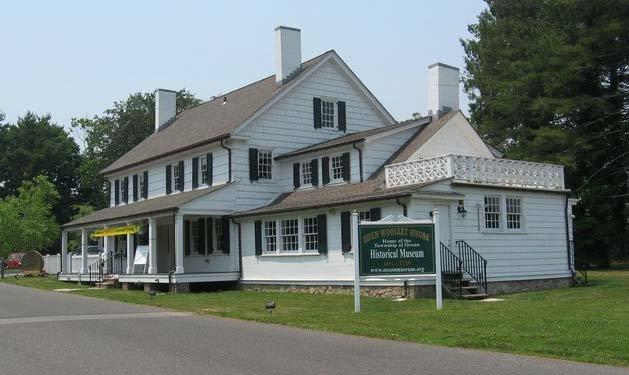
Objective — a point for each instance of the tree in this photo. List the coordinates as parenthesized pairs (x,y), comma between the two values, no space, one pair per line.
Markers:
(36,146)
(548,81)
(111,135)
(27,222)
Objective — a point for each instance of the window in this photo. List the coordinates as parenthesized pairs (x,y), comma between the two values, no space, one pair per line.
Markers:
(311,237)
(203,162)
(290,235)
(125,190)
(514,213)
(270,236)
(492,212)
(336,166)
(265,164)
(364,215)
(306,173)
(195,236)
(218,230)
(176,176)
(327,114)
(141,184)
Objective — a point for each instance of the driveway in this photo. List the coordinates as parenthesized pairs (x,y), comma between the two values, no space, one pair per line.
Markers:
(55,333)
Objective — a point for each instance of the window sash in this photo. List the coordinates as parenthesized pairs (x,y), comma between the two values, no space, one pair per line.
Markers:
(141,185)
(492,212)
(311,235)
(203,169)
(176,177)
(265,165)
(218,235)
(290,235)
(328,114)
(513,215)
(306,173)
(270,236)
(336,168)
(364,215)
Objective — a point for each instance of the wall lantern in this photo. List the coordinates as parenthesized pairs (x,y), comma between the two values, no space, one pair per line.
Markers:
(461,209)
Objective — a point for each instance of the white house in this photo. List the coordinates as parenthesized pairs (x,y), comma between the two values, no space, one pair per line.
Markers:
(256,187)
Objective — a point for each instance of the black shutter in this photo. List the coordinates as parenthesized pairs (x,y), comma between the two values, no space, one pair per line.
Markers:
(169,176)
(322,233)
(346,166)
(342,122)
(201,238)
(135,187)
(195,173)
(296,175)
(258,230)
(314,167)
(181,175)
(253,164)
(375,214)
(316,110)
(186,237)
(117,192)
(125,191)
(346,231)
(145,190)
(209,159)
(325,170)
(210,240)
(226,241)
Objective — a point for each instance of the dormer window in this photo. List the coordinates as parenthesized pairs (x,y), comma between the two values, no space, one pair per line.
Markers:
(327,114)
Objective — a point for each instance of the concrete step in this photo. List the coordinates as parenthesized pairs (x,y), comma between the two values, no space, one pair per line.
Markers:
(475,296)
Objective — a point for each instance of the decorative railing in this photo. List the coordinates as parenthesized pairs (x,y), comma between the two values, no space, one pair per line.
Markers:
(474,170)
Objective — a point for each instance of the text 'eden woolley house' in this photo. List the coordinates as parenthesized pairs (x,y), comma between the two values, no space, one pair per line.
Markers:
(256,187)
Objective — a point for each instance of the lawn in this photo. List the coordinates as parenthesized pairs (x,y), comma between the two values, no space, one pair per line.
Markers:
(583,324)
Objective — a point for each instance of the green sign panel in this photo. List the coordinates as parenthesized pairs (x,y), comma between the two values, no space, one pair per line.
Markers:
(396,249)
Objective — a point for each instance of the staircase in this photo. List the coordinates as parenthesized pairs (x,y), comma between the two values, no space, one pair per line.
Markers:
(464,275)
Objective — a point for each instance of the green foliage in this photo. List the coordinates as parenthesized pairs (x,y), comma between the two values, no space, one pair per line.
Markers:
(26,220)
(115,132)
(36,146)
(549,81)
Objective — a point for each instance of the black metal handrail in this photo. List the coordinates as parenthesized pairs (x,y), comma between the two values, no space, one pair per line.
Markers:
(451,268)
(473,263)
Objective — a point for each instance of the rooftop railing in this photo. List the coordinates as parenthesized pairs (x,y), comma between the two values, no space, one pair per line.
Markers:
(474,170)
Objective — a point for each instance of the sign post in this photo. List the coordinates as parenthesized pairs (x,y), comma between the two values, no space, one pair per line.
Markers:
(404,249)
(355,247)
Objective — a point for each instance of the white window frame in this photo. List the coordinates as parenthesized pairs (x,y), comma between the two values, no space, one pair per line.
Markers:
(194,251)
(324,107)
(301,236)
(203,170)
(141,186)
(262,156)
(498,220)
(503,213)
(218,233)
(310,230)
(269,233)
(175,178)
(340,165)
(307,165)
(364,215)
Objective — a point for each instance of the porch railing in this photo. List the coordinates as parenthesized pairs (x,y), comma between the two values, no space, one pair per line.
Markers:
(473,264)
(474,170)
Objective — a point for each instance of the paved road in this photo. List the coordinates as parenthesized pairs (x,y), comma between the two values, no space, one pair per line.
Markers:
(55,333)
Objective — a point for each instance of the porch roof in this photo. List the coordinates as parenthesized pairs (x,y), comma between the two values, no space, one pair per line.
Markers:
(149,206)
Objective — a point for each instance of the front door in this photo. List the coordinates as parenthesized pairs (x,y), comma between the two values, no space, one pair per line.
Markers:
(444,225)
(165,252)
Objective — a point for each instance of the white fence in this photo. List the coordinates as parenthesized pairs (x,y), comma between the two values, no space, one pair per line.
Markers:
(483,171)
(52,263)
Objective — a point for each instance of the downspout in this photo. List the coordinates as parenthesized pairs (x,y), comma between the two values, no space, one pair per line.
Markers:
(239,248)
(360,160)
(397,200)
(565,213)
(229,159)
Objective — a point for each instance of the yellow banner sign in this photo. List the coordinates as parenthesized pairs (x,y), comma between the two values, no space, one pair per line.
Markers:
(116,231)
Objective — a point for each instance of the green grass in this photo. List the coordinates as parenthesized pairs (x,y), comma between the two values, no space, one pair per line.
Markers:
(583,324)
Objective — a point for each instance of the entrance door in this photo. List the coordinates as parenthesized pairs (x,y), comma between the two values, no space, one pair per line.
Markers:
(444,225)
(165,252)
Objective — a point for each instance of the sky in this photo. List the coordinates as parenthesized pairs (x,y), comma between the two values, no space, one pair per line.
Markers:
(74,59)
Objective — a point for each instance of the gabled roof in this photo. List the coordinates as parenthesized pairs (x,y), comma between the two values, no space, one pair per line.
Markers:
(354,137)
(208,122)
(149,206)
(334,195)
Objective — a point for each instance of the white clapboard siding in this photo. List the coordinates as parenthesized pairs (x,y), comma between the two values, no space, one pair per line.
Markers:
(377,152)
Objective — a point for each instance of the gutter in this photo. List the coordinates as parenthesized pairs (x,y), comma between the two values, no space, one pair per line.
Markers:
(360,160)
(229,159)
(239,248)
(404,208)
(565,213)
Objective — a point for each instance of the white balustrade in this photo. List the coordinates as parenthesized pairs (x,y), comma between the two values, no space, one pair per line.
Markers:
(474,170)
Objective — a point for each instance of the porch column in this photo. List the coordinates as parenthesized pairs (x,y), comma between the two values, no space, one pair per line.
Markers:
(152,245)
(179,250)
(130,253)
(83,250)
(64,251)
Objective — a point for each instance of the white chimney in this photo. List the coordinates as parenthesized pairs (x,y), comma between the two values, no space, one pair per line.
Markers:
(443,89)
(165,106)
(287,52)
